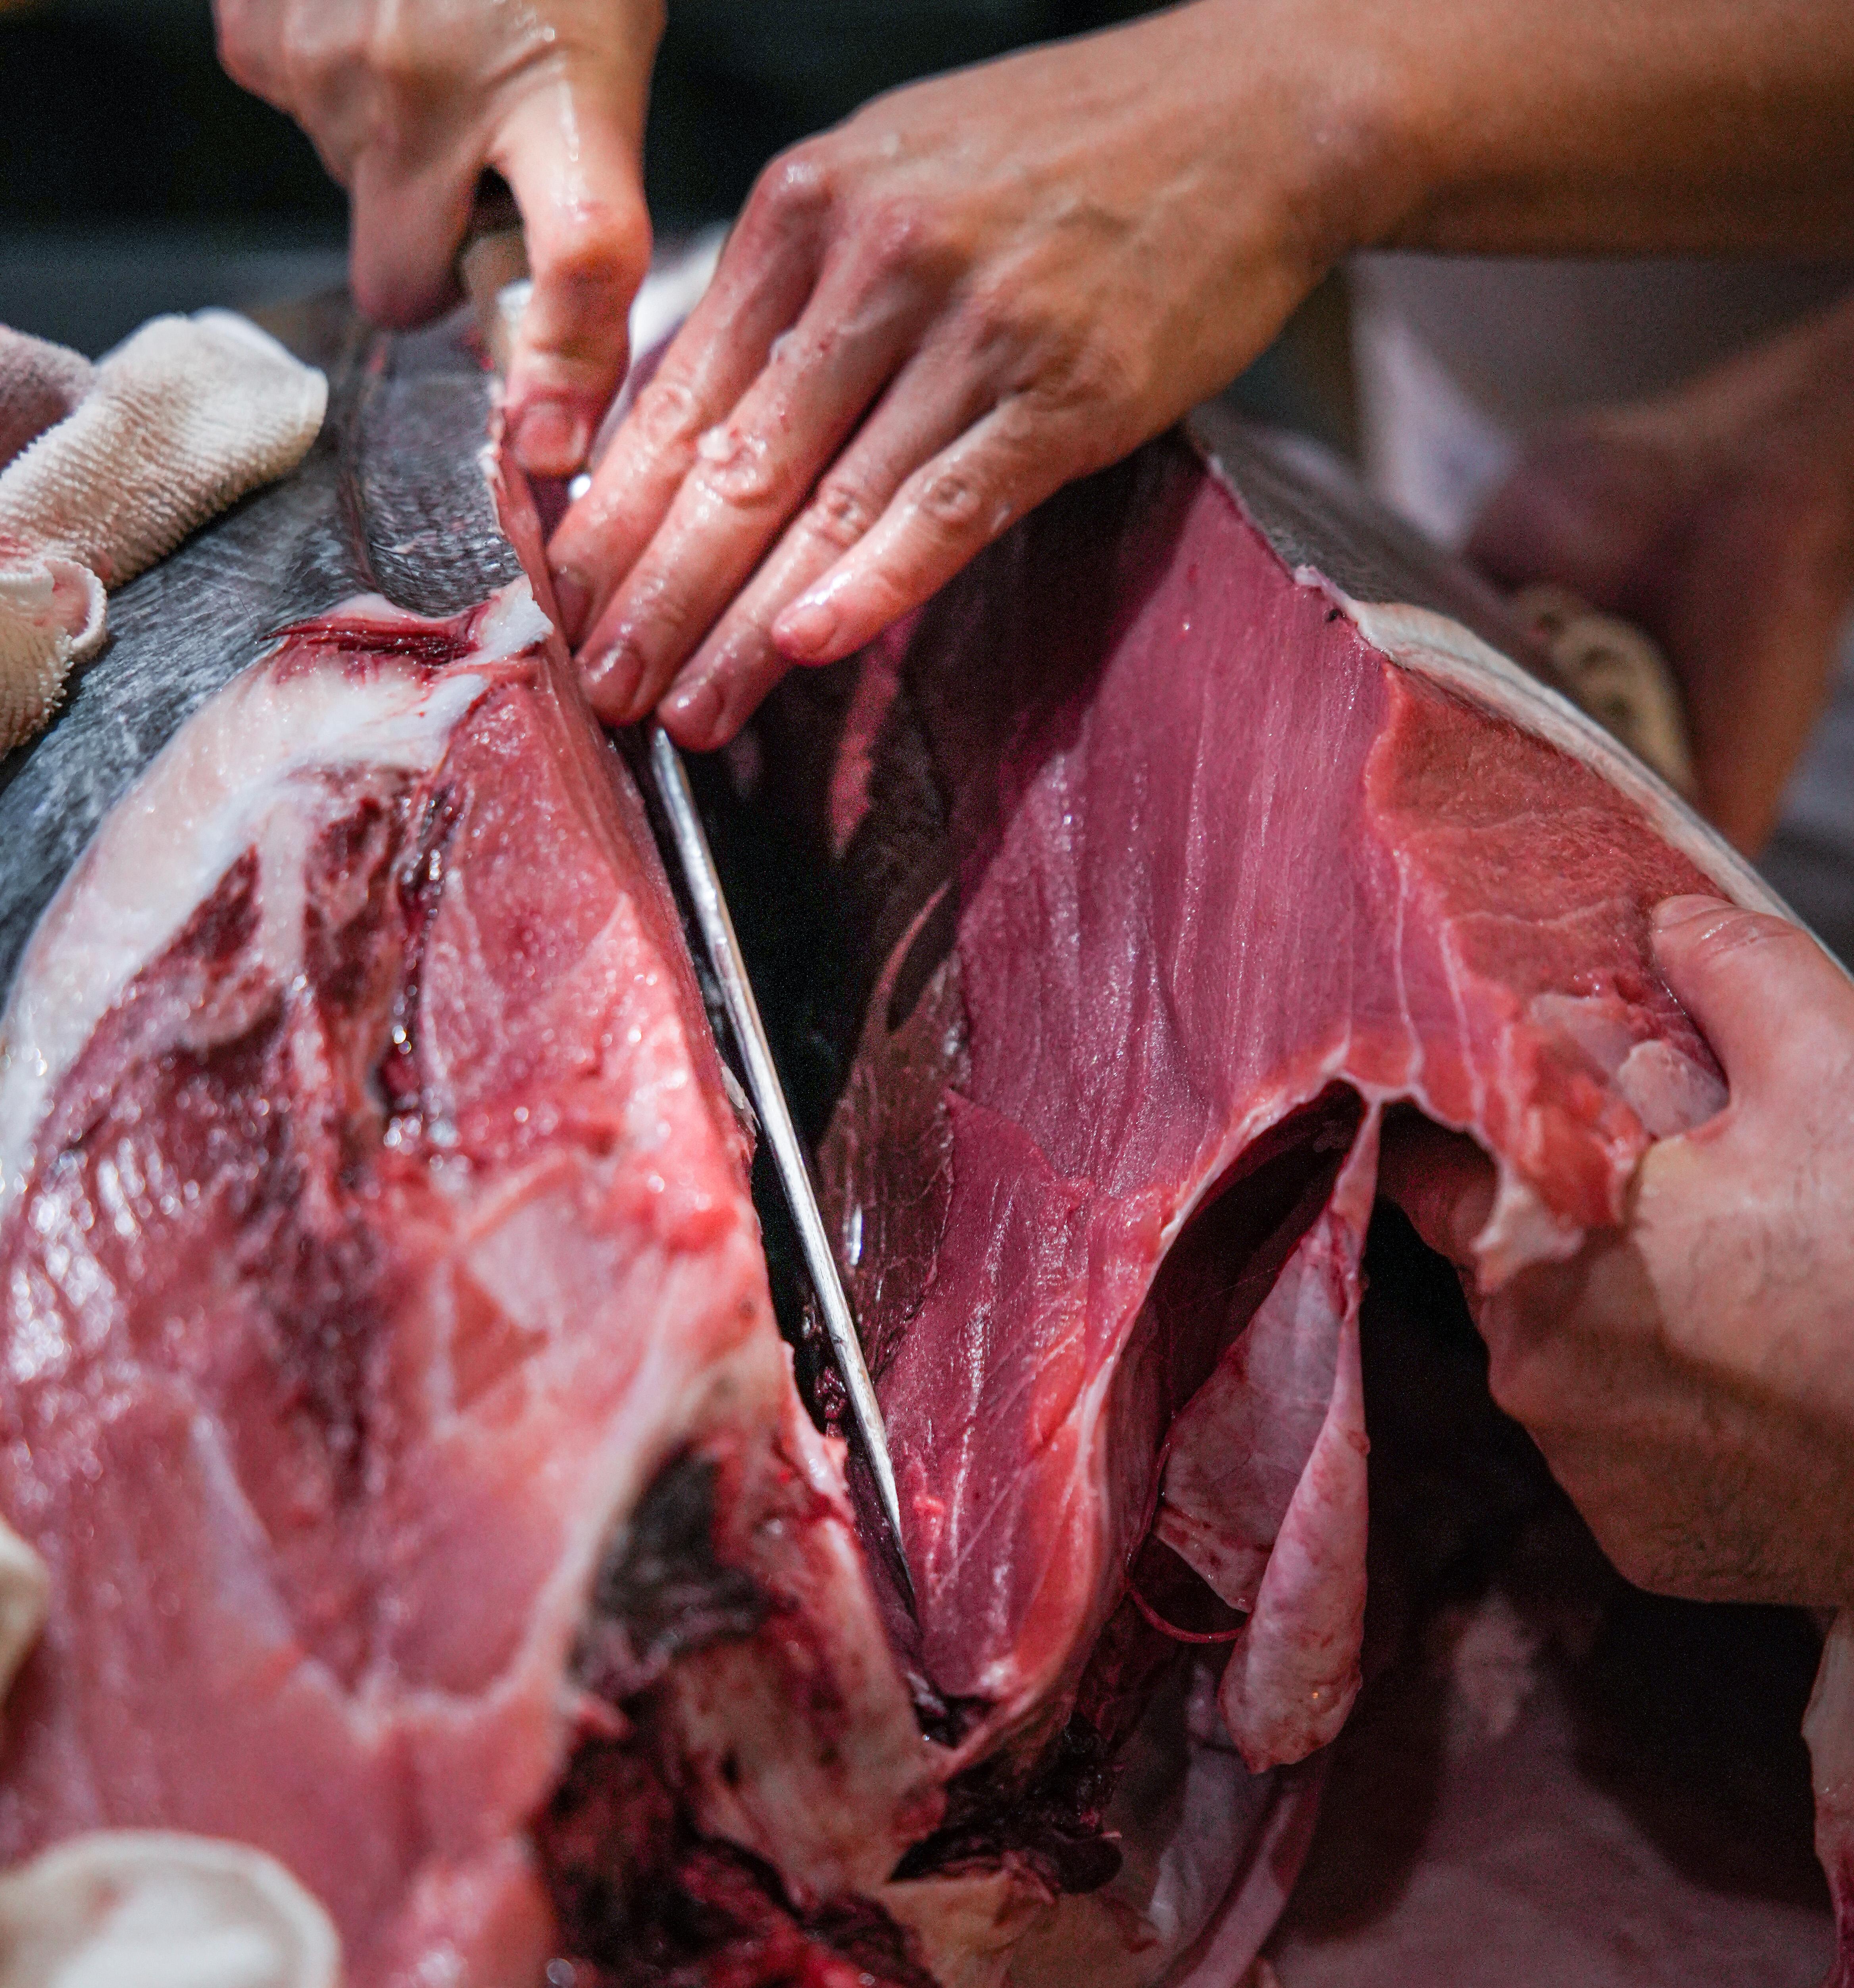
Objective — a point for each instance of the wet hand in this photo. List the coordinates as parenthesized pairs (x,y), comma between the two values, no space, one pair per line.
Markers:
(924,322)
(407,104)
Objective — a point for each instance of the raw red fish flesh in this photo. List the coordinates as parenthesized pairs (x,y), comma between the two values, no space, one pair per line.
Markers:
(383,1236)
(392,1386)
(1102,1163)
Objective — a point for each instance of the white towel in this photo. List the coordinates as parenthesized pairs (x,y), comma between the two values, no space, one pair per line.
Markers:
(39,383)
(179,421)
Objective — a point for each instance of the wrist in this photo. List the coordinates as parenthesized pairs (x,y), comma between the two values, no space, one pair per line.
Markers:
(1351,110)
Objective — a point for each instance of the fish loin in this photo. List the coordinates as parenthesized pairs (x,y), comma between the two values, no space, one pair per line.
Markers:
(393,1396)
(1178,850)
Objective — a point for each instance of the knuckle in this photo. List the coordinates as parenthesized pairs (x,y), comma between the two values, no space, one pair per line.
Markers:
(660,603)
(240,49)
(1103,374)
(303,45)
(794,190)
(842,512)
(395,55)
(665,414)
(313,56)
(1030,427)
(1090,386)
(952,499)
(902,233)
(1059,369)
(596,246)
(738,467)
(1000,322)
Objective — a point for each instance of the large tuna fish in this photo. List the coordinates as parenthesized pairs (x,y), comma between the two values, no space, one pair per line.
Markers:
(392,1391)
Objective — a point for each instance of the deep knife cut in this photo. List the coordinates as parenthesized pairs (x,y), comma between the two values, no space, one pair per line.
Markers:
(492,267)
(697,862)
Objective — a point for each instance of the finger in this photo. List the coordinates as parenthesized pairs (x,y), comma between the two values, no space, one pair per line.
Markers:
(1442,1181)
(572,161)
(948,510)
(936,397)
(751,474)
(767,271)
(407,226)
(249,44)
(1766,996)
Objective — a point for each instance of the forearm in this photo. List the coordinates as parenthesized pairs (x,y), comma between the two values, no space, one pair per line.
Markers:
(1719,518)
(981,286)
(1579,126)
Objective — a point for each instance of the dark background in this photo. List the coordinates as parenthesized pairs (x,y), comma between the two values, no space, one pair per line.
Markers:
(135,177)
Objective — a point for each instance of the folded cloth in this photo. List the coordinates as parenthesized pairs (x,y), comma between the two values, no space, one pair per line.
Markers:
(126,459)
(40,382)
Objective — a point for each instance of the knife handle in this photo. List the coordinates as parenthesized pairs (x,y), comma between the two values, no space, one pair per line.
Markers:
(1616,674)
(492,266)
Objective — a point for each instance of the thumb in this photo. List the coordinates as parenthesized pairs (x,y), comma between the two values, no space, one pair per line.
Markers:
(1766,996)
(571,157)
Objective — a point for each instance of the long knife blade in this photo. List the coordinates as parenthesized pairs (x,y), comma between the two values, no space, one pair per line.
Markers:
(492,267)
(697,862)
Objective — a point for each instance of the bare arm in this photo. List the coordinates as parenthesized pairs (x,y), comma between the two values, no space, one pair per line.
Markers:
(1708,126)
(1721,518)
(984,285)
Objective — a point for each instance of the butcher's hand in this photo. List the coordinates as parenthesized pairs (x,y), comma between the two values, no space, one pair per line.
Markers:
(1721,518)
(408,101)
(924,322)
(1691,1379)
(982,286)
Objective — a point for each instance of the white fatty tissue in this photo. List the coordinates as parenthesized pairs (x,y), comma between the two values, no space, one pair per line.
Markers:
(136,1908)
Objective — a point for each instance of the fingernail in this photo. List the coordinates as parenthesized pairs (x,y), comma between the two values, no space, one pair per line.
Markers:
(1672,911)
(574,598)
(806,628)
(611,678)
(692,711)
(550,440)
